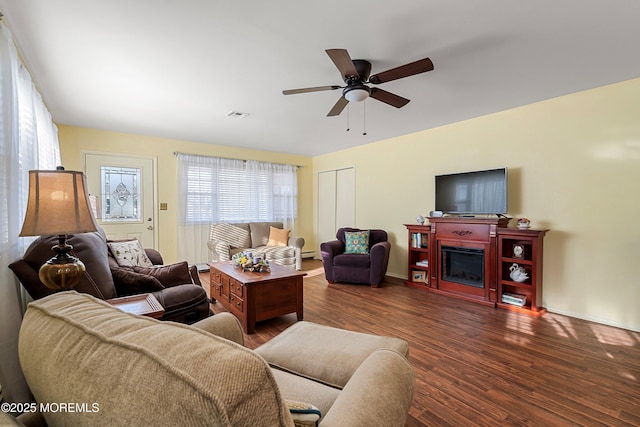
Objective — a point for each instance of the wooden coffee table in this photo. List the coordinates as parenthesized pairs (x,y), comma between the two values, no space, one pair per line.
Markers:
(253,297)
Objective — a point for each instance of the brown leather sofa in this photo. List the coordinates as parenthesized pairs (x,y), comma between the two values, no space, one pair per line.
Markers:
(177,287)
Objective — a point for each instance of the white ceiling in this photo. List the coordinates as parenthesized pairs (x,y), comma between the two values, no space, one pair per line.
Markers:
(175,68)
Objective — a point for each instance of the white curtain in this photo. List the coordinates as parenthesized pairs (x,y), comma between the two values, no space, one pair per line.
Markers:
(199,182)
(215,190)
(276,190)
(28,140)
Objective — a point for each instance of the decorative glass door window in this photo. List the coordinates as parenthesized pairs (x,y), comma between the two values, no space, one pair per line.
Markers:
(121,198)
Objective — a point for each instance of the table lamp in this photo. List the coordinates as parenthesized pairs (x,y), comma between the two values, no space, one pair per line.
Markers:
(58,204)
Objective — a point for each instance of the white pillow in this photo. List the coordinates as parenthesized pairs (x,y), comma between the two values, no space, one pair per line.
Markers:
(129,253)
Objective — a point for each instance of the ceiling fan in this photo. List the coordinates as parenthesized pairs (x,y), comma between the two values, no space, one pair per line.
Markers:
(355,74)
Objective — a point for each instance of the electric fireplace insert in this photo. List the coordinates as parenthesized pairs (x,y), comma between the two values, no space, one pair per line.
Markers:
(464,266)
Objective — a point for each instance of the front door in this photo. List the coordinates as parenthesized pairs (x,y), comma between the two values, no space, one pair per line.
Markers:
(124,190)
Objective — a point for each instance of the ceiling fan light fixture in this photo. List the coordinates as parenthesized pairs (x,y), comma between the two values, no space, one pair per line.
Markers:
(356,93)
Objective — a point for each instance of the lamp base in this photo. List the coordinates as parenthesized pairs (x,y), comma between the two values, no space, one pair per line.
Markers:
(63,271)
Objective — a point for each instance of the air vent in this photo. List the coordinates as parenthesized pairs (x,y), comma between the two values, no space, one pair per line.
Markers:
(237,115)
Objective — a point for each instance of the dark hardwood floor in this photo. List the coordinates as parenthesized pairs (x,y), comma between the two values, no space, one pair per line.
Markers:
(475,365)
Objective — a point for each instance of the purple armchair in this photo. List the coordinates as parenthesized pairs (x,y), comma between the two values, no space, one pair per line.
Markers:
(356,268)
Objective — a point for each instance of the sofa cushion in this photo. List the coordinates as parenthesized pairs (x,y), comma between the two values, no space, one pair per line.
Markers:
(337,353)
(168,275)
(129,253)
(75,348)
(356,242)
(260,232)
(352,260)
(294,387)
(236,235)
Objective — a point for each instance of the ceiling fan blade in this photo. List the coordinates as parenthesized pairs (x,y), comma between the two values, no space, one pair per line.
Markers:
(388,97)
(417,67)
(337,109)
(343,62)
(310,89)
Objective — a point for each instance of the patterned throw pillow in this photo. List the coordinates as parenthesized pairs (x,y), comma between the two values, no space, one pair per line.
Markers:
(303,414)
(129,253)
(356,242)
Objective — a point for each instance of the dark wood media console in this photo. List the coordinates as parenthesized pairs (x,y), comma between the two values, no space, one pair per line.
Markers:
(471,258)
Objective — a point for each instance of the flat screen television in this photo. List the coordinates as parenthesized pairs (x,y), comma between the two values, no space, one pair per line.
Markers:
(472,193)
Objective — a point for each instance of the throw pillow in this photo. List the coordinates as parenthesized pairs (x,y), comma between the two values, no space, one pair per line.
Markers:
(129,282)
(278,237)
(356,242)
(168,275)
(303,414)
(129,253)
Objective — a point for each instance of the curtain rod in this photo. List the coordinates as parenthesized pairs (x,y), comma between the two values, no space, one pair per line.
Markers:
(175,153)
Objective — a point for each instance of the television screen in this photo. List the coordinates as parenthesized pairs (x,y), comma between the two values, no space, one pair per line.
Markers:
(480,192)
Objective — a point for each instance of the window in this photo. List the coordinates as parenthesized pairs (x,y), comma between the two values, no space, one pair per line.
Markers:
(120,194)
(215,190)
(28,140)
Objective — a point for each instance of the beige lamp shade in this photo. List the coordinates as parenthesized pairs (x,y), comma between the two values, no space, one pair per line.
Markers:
(58,204)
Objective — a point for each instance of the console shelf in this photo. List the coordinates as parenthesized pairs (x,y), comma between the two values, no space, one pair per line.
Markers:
(419,245)
(431,265)
(521,248)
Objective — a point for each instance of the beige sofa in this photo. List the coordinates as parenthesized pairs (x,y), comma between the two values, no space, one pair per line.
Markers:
(225,240)
(114,368)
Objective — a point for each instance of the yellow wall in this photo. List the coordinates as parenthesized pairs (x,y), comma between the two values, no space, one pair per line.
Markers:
(75,141)
(574,168)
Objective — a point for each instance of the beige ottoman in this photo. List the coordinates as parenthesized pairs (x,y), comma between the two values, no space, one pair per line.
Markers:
(325,354)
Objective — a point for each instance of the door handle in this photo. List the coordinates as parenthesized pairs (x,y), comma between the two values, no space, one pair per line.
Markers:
(150,227)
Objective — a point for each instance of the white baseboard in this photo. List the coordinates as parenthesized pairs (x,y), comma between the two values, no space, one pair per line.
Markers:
(308,254)
(607,322)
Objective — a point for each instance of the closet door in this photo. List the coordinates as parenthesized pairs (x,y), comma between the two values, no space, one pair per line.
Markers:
(326,227)
(345,198)
(336,203)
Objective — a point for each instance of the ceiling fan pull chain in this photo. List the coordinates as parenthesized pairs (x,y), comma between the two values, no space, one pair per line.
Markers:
(348,110)
(364,117)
